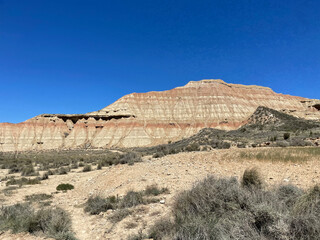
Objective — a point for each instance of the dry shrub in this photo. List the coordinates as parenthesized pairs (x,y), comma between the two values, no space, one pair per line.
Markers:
(217,209)
(252,178)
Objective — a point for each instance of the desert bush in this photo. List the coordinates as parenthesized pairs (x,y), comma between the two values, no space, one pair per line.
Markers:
(286,136)
(193,147)
(282,144)
(309,203)
(37,197)
(45,176)
(130,158)
(81,164)
(162,228)
(273,138)
(131,199)
(138,236)
(224,209)
(159,154)
(54,223)
(18,218)
(64,187)
(74,166)
(13,168)
(131,225)
(299,142)
(155,190)
(29,171)
(119,215)
(99,167)
(252,178)
(305,223)
(23,181)
(8,191)
(241,145)
(224,145)
(289,194)
(97,204)
(62,170)
(87,168)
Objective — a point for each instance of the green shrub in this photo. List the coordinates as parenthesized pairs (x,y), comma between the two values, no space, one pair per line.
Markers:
(130,158)
(286,136)
(54,223)
(81,164)
(86,168)
(62,170)
(23,181)
(162,228)
(74,166)
(289,194)
(119,215)
(251,178)
(64,187)
(273,139)
(154,190)
(158,155)
(45,176)
(131,199)
(97,204)
(37,197)
(309,203)
(29,171)
(193,147)
(99,167)
(224,209)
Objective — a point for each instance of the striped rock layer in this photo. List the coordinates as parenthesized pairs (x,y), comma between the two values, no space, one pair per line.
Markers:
(146,119)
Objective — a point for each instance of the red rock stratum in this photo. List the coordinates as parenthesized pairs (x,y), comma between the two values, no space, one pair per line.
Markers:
(146,119)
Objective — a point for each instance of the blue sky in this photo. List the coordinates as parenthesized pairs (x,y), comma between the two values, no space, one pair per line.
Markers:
(74,56)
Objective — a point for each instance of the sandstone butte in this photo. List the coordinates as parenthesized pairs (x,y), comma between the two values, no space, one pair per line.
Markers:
(146,119)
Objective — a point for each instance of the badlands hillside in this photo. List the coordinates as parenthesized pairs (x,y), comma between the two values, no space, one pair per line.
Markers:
(206,161)
(149,119)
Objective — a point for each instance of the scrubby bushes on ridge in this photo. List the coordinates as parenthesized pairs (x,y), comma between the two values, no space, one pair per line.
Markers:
(217,209)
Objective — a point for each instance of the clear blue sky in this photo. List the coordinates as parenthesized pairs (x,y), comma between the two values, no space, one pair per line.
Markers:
(74,56)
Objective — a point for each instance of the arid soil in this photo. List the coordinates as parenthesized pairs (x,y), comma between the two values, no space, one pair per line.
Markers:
(176,172)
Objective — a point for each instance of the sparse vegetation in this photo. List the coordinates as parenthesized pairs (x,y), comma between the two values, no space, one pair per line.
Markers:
(154,190)
(131,199)
(52,222)
(286,136)
(225,209)
(119,215)
(98,204)
(29,171)
(61,162)
(8,191)
(38,197)
(251,178)
(23,181)
(296,154)
(87,168)
(64,187)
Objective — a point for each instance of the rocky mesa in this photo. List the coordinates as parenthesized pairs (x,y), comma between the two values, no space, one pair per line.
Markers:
(147,119)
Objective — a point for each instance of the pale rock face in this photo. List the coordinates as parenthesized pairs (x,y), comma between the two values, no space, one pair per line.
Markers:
(146,119)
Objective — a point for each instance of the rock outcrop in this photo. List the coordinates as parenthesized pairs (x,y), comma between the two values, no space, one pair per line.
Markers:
(146,119)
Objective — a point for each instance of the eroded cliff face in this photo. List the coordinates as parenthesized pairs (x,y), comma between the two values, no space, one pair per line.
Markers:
(145,119)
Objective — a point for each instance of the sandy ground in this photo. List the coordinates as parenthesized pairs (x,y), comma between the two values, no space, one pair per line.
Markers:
(176,172)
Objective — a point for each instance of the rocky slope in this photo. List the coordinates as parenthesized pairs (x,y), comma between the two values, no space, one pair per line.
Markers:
(146,119)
